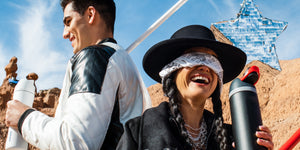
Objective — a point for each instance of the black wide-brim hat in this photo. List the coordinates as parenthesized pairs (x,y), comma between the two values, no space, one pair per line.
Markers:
(232,59)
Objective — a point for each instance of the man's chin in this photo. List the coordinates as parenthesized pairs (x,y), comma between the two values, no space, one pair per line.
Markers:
(75,51)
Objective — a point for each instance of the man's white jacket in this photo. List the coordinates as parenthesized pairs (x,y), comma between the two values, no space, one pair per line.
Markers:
(102,89)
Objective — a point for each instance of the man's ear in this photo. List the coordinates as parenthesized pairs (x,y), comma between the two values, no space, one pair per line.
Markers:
(91,12)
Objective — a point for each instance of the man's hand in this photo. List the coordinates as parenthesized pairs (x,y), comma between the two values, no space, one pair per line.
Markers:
(13,113)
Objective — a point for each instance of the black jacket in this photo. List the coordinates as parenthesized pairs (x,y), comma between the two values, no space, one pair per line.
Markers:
(156,130)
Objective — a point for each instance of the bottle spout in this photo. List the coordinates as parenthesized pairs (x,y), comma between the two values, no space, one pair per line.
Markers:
(251,75)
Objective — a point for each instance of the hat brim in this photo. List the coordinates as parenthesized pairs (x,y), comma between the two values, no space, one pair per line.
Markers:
(231,58)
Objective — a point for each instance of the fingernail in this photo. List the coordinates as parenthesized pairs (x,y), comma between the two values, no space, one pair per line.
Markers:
(257,141)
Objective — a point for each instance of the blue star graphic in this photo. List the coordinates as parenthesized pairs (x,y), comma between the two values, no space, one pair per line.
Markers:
(253,33)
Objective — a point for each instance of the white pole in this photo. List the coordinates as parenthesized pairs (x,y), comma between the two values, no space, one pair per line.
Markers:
(156,24)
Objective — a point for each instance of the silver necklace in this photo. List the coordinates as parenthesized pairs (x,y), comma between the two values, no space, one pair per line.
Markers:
(190,127)
(199,142)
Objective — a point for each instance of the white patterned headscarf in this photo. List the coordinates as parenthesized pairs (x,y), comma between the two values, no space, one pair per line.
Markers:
(191,60)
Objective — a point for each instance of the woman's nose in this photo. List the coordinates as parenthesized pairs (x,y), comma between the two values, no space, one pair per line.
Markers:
(203,68)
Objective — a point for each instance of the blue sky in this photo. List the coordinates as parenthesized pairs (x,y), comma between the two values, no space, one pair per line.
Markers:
(31,30)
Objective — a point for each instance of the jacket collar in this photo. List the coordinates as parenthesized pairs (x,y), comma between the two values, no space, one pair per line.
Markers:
(107,40)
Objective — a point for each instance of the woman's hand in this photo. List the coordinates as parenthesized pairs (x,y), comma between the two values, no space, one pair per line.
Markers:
(264,137)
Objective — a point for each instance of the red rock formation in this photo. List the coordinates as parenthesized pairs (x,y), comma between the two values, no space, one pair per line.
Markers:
(7,89)
(11,68)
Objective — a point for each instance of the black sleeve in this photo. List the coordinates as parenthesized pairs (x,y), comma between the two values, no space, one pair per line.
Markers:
(230,137)
(130,138)
(89,69)
(22,118)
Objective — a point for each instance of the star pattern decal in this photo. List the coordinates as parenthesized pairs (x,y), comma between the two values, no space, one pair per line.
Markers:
(253,33)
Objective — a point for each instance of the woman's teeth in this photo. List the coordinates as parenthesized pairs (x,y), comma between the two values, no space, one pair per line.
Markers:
(200,79)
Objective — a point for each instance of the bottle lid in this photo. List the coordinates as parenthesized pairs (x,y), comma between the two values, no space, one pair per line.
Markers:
(27,85)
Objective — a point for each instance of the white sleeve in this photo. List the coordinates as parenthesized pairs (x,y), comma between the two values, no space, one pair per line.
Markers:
(82,121)
(84,125)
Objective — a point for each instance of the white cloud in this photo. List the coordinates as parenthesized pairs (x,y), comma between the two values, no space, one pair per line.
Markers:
(287,44)
(215,7)
(38,51)
(3,62)
(230,3)
(233,6)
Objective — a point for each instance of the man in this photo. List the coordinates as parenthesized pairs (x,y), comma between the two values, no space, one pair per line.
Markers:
(101,91)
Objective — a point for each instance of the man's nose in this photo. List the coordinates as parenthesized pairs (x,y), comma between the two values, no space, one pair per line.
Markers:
(66,34)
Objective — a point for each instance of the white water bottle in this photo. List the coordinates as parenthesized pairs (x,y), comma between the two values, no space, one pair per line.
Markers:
(24,92)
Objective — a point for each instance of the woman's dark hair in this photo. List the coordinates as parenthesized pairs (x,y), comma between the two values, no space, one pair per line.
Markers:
(171,91)
(106,8)
(221,133)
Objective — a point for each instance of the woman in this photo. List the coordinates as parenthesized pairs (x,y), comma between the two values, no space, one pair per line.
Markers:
(192,67)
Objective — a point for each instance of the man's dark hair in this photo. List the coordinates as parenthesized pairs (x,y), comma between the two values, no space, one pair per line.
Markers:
(106,8)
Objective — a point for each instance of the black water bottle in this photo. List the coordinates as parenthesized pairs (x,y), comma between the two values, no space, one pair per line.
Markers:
(245,111)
